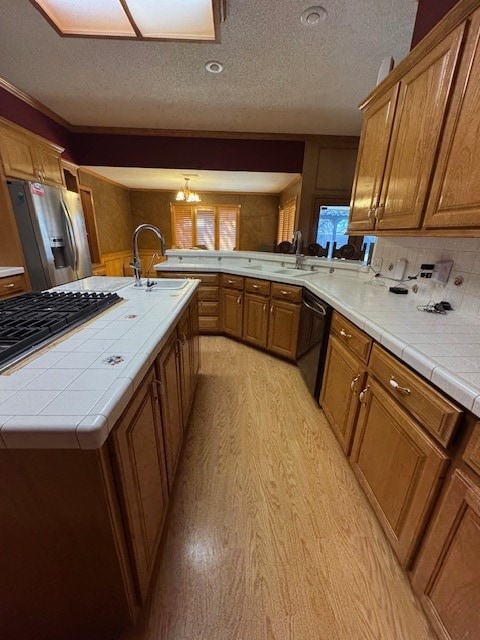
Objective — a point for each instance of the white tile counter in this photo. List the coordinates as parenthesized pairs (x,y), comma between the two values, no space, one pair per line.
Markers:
(445,349)
(71,394)
(6,272)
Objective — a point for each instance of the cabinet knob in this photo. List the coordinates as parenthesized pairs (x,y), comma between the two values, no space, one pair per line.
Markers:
(271,310)
(255,286)
(239,299)
(231,281)
(285,293)
(354,382)
(265,307)
(344,334)
(9,286)
(394,384)
(363,395)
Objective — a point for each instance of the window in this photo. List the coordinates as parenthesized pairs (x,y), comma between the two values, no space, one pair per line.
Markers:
(332,231)
(207,227)
(286,220)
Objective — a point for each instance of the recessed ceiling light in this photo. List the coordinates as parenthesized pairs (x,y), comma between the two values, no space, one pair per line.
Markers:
(214,67)
(312,16)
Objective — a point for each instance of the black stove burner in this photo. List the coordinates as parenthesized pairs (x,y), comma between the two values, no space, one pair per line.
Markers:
(29,319)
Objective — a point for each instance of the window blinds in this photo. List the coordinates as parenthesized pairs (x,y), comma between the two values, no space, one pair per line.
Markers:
(227,228)
(210,227)
(286,220)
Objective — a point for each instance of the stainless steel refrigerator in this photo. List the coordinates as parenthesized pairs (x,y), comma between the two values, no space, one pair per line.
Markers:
(52,231)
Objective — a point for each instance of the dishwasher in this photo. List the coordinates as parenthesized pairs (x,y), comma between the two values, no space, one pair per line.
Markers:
(315,318)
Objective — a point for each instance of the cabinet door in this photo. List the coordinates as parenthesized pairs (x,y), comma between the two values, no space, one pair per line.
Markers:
(137,449)
(455,195)
(446,577)
(49,162)
(372,156)
(186,363)
(195,339)
(344,378)
(255,319)
(398,466)
(170,404)
(17,156)
(283,328)
(419,116)
(232,312)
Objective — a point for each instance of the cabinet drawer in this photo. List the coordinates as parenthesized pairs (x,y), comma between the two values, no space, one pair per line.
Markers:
(353,337)
(433,411)
(205,278)
(11,285)
(207,293)
(209,324)
(261,287)
(472,452)
(207,308)
(232,282)
(286,292)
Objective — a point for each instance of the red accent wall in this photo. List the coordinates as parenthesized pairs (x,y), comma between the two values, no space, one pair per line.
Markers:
(189,153)
(428,14)
(156,151)
(23,114)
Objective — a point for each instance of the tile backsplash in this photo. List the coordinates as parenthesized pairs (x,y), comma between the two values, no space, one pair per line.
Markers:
(465,253)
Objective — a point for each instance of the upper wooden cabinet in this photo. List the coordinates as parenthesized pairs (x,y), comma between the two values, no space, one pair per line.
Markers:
(455,195)
(399,140)
(29,157)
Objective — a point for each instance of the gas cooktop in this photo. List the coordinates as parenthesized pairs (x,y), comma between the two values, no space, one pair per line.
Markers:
(35,318)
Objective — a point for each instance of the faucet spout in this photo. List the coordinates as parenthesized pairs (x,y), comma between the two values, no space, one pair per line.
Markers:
(136,263)
(297,247)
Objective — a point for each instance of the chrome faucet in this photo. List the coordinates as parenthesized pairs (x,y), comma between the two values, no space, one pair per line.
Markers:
(297,247)
(136,263)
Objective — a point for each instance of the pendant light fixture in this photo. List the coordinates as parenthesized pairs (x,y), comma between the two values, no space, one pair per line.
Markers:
(186,195)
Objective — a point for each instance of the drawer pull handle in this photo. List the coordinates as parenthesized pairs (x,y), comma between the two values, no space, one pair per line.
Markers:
(397,387)
(265,307)
(239,299)
(256,286)
(9,286)
(363,395)
(354,382)
(344,334)
(271,310)
(231,281)
(285,293)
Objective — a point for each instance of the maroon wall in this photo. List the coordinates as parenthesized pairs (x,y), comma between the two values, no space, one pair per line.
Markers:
(189,153)
(26,116)
(156,151)
(428,14)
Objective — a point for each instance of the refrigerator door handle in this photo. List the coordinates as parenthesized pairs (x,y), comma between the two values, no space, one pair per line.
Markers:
(71,235)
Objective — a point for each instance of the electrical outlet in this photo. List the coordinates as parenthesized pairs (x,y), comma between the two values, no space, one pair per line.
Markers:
(377,264)
(426,270)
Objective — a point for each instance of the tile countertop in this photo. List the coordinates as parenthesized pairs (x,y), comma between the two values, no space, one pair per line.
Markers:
(444,349)
(5,272)
(70,395)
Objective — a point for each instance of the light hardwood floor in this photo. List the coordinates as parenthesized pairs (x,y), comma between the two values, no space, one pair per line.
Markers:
(269,535)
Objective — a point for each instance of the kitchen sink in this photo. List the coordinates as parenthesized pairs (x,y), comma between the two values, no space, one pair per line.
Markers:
(293,272)
(161,284)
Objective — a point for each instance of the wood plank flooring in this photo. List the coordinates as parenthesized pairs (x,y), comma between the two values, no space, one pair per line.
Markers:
(269,536)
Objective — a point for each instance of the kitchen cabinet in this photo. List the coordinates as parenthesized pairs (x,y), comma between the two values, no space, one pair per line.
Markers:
(12,286)
(399,467)
(232,306)
(446,576)
(256,309)
(136,446)
(344,377)
(189,354)
(167,367)
(399,141)
(28,157)
(284,320)
(209,320)
(455,195)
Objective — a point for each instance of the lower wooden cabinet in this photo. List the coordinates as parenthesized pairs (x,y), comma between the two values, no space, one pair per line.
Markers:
(12,286)
(167,367)
(343,380)
(188,347)
(399,467)
(283,328)
(136,446)
(447,574)
(255,319)
(232,312)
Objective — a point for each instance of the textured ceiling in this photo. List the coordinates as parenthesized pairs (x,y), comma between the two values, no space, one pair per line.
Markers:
(217,181)
(279,77)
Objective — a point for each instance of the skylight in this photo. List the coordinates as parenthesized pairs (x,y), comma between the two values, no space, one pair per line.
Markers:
(141,19)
